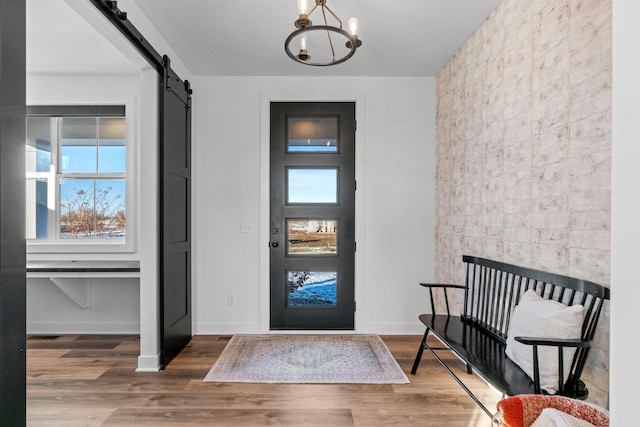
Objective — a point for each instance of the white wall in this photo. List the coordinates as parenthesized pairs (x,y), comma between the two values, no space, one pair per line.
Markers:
(114,303)
(395,168)
(114,307)
(625,209)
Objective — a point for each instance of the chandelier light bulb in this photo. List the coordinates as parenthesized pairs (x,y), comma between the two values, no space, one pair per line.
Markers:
(353,26)
(304,54)
(303,7)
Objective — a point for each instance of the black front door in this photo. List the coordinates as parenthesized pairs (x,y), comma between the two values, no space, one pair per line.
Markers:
(312,215)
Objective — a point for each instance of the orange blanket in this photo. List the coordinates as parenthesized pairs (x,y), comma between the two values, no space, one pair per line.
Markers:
(522,410)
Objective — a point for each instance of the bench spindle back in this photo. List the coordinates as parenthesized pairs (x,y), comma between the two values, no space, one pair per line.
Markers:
(493,289)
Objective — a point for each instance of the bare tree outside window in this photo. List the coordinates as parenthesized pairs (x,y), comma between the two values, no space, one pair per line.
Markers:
(90,213)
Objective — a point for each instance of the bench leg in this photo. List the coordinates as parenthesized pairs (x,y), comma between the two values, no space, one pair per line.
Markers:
(459,381)
(423,346)
(420,351)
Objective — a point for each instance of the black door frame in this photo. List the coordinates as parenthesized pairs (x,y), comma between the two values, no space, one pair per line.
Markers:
(341,316)
(13,84)
(340,94)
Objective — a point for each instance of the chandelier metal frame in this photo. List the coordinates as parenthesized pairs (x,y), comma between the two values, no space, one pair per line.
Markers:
(304,25)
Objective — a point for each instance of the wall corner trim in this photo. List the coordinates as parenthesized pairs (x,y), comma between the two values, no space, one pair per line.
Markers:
(148,363)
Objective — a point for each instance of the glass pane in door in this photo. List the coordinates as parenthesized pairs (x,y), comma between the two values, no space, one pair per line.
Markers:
(312,288)
(312,185)
(312,135)
(312,237)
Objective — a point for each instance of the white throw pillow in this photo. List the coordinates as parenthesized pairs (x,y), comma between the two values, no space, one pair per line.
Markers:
(537,317)
(551,417)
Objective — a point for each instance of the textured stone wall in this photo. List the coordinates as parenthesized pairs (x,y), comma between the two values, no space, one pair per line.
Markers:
(524,148)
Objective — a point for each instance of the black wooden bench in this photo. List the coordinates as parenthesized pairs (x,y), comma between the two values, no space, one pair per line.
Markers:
(478,336)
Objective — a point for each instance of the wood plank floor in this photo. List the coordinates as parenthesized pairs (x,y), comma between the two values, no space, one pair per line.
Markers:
(81,380)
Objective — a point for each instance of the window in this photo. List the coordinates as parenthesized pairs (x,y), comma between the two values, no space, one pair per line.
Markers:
(76,162)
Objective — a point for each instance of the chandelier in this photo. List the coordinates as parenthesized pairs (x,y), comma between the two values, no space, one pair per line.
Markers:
(316,42)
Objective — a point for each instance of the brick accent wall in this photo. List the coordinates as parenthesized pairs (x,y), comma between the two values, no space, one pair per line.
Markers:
(524,149)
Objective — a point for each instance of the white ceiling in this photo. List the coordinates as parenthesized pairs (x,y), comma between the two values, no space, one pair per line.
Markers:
(60,41)
(246,37)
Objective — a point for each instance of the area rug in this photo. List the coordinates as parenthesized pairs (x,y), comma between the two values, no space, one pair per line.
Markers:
(353,359)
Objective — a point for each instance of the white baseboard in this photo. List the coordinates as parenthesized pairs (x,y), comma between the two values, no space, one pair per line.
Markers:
(225,328)
(108,328)
(416,328)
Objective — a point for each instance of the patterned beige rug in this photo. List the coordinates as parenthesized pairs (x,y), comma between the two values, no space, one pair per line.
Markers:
(355,359)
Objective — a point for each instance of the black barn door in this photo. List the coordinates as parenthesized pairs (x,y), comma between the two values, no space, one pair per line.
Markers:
(175,215)
(174,170)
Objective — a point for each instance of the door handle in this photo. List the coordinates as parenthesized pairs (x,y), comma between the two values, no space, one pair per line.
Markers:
(274,244)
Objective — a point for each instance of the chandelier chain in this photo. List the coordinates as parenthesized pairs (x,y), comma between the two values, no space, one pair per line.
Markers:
(324,15)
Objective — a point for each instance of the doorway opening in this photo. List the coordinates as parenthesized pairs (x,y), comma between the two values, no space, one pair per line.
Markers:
(312,215)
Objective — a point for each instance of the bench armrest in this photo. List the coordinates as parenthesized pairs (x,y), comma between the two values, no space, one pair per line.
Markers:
(561,343)
(443,286)
(553,342)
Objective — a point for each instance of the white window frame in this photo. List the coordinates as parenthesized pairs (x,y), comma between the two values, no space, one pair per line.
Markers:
(88,246)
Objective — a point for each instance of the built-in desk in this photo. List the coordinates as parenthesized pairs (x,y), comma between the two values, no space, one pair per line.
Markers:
(74,278)
(74,269)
